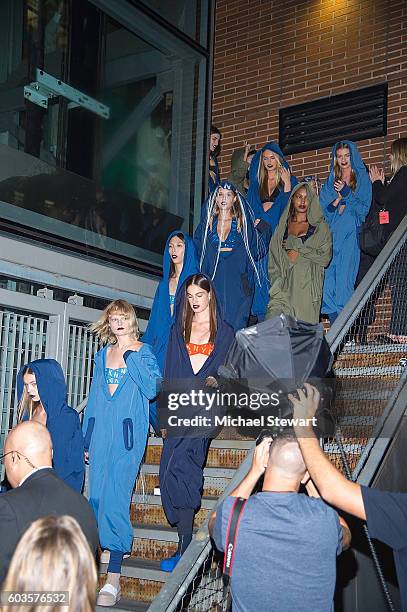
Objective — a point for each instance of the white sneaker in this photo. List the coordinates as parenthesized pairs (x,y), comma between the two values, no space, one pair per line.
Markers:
(108,595)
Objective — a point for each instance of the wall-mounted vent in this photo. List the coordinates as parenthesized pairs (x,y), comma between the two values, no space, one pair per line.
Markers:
(356,115)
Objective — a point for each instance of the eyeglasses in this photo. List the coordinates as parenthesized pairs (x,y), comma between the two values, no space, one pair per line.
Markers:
(18,455)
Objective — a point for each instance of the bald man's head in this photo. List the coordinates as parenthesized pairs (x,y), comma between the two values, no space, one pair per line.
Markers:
(27,445)
(286,458)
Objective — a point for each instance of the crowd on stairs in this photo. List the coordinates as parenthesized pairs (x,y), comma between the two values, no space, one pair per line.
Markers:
(267,243)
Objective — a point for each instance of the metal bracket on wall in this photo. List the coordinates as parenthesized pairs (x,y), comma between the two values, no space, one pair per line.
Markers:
(47,88)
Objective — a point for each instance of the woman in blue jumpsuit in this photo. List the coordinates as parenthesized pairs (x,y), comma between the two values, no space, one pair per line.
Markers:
(229,245)
(125,378)
(180,261)
(198,345)
(345,199)
(41,391)
(270,187)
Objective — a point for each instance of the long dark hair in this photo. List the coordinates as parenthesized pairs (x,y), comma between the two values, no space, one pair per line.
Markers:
(172,264)
(214,130)
(203,282)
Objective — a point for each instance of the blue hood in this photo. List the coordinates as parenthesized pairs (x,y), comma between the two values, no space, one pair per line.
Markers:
(190,259)
(177,356)
(62,421)
(359,200)
(355,158)
(274,214)
(161,319)
(51,386)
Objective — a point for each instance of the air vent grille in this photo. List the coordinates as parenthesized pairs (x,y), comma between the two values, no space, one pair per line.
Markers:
(356,115)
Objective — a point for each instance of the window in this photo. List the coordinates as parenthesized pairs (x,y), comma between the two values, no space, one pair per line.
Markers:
(111,187)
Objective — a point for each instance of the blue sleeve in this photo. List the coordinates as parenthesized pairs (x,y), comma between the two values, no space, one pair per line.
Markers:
(221,522)
(153,321)
(346,190)
(328,194)
(386,516)
(359,202)
(143,368)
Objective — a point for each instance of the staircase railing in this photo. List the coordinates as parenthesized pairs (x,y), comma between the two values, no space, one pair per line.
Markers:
(196,582)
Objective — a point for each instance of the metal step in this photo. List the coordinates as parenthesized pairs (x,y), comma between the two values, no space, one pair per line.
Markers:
(155,500)
(231,444)
(213,487)
(154,514)
(156,532)
(365,349)
(127,604)
(394,371)
(208,471)
(143,569)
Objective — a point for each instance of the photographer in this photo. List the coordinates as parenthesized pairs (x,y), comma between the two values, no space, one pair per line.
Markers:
(298,536)
(385,512)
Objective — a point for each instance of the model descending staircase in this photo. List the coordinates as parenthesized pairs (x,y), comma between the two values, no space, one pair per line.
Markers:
(366,378)
(154,539)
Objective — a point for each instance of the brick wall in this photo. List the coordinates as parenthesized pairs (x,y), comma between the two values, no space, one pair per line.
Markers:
(275,53)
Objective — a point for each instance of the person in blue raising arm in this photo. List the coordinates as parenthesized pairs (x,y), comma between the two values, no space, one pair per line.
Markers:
(125,379)
(180,261)
(270,188)
(229,245)
(345,199)
(41,391)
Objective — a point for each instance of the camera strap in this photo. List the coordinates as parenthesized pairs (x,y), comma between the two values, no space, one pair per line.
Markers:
(231,537)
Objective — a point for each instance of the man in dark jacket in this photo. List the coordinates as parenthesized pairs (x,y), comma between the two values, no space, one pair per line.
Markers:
(37,490)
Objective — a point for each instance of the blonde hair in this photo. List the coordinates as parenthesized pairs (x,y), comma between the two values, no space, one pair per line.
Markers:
(337,170)
(263,174)
(53,555)
(399,153)
(26,406)
(102,329)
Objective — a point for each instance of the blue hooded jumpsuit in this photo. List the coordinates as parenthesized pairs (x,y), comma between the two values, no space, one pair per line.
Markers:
(62,421)
(271,217)
(340,276)
(233,272)
(160,321)
(116,432)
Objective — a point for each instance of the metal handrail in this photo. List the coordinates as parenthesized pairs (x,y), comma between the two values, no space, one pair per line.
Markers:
(180,579)
(369,283)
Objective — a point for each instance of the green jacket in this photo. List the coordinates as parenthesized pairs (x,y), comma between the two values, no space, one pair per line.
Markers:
(238,170)
(296,288)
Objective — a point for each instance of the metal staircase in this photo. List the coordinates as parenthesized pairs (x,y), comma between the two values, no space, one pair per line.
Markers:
(154,539)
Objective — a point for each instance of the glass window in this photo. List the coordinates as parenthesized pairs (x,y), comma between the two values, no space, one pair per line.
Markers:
(117,186)
(189,16)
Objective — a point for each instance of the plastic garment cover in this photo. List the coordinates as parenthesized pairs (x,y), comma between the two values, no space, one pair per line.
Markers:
(278,355)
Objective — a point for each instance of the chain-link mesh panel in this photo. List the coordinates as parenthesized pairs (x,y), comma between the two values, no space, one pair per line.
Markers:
(368,365)
(206,592)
